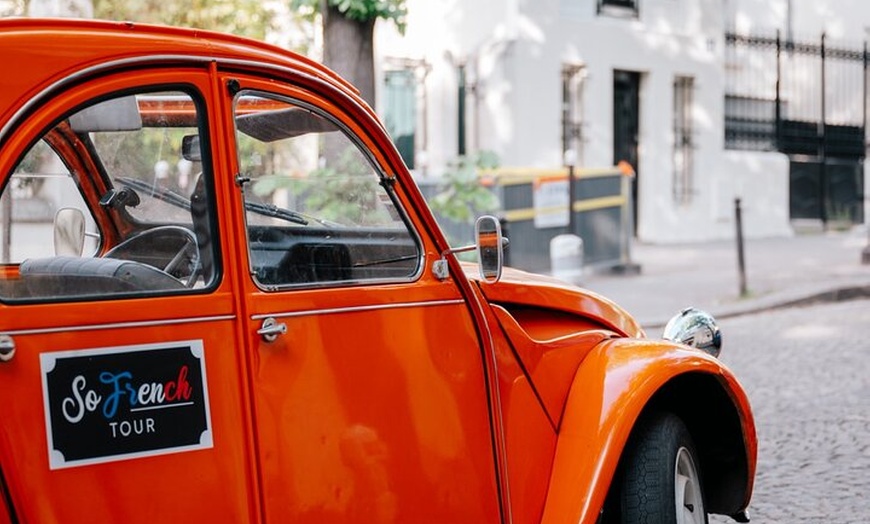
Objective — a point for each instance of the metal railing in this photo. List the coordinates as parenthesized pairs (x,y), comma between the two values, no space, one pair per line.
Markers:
(808,100)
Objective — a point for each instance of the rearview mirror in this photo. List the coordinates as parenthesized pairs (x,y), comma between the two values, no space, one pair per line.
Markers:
(490,248)
(69,232)
(190,148)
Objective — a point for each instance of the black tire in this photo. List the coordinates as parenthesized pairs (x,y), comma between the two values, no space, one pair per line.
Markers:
(650,483)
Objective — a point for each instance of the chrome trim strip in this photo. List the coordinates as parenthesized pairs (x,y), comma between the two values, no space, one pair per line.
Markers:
(356,309)
(121,325)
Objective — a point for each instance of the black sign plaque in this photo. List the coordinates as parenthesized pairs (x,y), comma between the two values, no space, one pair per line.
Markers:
(119,403)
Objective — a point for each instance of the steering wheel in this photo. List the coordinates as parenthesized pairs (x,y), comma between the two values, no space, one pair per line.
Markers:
(173,249)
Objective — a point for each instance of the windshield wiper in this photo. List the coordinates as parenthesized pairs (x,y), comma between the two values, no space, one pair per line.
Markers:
(271,210)
(171,197)
(160,193)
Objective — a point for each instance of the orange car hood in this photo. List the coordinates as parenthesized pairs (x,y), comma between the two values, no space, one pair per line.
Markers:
(528,289)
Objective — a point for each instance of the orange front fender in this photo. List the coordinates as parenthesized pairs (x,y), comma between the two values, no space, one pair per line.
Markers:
(614,384)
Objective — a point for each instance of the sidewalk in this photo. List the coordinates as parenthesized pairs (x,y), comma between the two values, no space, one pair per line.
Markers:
(779,272)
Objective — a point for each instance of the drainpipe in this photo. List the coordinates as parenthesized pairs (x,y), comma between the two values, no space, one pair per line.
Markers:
(865,253)
(823,146)
(460,131)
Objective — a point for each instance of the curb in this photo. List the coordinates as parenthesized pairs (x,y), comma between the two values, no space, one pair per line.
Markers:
(841,294)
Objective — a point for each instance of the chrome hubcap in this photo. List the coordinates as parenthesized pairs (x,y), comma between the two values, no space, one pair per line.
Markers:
(690,505)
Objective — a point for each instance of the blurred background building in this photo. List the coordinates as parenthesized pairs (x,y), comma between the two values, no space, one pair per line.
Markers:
(707,100)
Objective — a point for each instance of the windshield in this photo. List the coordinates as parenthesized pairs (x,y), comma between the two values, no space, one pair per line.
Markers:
(140,148)
(296,159)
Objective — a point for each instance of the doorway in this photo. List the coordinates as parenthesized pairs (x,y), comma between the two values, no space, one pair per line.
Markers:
(626,127)
(826,190)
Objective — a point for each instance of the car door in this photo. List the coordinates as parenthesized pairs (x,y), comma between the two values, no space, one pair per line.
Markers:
(368,383)
(121,369)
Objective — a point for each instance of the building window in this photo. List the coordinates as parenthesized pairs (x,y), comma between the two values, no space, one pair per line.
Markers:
(684,146)
(573,78)
(400,111)
(618,7)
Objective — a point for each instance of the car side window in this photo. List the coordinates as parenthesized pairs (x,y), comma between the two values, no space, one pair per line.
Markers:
(40,187)
(123,205)
(318,210)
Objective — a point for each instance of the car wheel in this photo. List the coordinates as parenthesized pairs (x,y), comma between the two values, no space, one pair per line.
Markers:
(661,480)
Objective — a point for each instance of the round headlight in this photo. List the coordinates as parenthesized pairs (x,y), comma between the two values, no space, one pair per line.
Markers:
(695,328)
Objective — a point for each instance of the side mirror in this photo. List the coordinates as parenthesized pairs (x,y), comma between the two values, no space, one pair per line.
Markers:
(69,232)
(489,245)
(490,248)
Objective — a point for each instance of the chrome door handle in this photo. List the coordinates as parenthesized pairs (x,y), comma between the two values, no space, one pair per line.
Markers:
(271,328)
(7,348)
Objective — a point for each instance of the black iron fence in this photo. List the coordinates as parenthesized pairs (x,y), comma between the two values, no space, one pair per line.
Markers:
(807,99)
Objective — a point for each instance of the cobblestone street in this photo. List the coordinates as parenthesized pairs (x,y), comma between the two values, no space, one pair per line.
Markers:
(807,372)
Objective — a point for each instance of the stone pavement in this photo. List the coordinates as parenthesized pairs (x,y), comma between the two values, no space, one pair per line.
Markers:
(807,267)
(807,373)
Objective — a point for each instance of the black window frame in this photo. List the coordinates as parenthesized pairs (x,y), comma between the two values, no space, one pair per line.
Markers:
(619,8)
(386,184)
(684,139)
(203,126)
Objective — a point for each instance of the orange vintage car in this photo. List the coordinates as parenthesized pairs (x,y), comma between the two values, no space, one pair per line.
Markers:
(223,299)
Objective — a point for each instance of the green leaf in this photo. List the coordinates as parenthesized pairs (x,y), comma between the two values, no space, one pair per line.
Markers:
(364,10)
(266,185)
(462,197)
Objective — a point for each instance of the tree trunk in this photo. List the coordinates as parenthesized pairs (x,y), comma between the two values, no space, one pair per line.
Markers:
(348,49)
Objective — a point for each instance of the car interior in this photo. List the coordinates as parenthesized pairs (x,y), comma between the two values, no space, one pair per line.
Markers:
(165,228)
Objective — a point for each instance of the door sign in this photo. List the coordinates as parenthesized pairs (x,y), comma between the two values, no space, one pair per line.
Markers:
(118,403)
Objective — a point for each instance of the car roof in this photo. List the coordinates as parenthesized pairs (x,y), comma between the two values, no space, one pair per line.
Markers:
(39,53)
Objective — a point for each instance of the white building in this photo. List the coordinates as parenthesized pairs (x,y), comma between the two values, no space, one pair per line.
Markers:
(637,80)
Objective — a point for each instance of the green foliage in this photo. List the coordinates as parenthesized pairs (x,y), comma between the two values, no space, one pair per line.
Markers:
(34,158)
(360,10)
(345,199)
(241,17)
(345,192)
(462,197)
